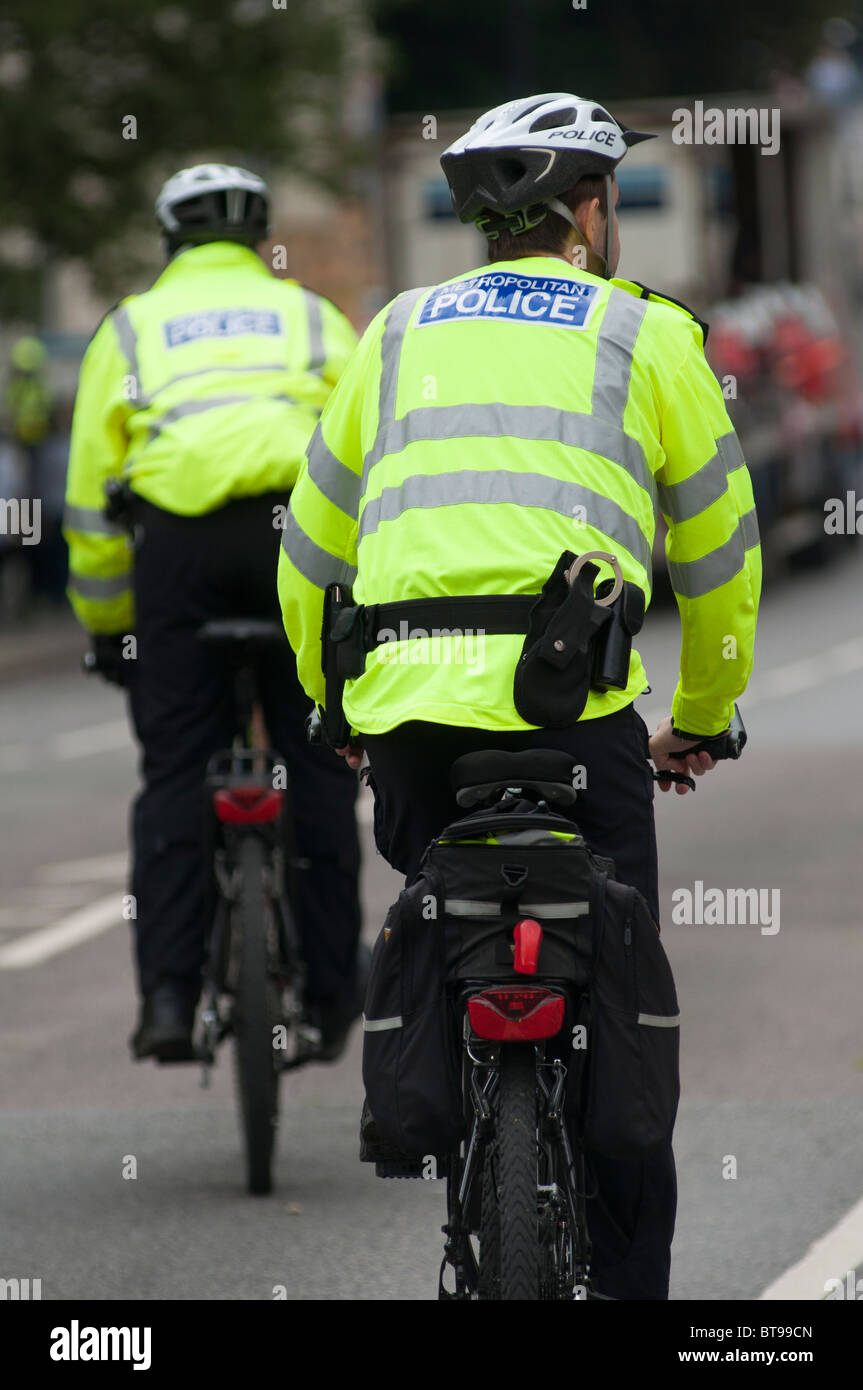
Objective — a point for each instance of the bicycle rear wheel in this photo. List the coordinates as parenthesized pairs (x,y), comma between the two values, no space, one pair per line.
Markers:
(257,1011)
(509,1228)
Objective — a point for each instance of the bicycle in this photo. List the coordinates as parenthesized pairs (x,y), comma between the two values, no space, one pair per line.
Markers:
(517,1191)
(254,975)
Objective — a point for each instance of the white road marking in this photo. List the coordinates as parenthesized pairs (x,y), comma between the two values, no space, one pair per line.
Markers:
(38,946)
(76,743)
(829,1257)
(16,919)
(96,738)
(790,679)
(110,866)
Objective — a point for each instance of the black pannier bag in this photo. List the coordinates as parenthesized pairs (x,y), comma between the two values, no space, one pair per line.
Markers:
(624,1087)
(454,924)
(410,1047)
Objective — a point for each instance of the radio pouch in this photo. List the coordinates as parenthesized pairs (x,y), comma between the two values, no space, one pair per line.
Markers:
(553,675)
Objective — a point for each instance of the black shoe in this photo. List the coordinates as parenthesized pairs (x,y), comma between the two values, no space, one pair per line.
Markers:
(335,1018)
(165,1026)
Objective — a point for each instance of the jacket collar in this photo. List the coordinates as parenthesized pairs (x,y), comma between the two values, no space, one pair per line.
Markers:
(211,256)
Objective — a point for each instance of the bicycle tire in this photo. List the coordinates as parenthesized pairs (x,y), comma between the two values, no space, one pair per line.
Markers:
(512,1188)
(257,1012)
(489,1230)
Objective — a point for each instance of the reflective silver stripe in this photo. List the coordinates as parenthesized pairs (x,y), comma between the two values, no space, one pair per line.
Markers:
(686,499)
(749,527)
(88,586)
(495,420)
(660,1020)
(614,348)
(391,347)
(128,339)
(177,412)
(380,1025)
(90,519)
(313,562)
(470,907)
(339,484)
(499,486)
(317,356)
(730,451)
(694,578)
(551,910)
(208,371)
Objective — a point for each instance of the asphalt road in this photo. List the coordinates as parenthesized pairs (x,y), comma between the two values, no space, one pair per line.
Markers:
(772,1038)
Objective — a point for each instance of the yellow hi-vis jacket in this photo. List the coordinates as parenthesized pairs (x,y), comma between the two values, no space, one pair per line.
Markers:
(484,426)
(205,388)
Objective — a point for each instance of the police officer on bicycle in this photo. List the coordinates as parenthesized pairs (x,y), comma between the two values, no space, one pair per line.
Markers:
(199,397)
(485,428)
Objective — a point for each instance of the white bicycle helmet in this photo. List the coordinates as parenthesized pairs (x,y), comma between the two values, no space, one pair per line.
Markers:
(512,164)
(213,202)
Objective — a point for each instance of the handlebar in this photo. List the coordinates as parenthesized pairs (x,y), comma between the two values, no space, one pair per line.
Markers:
(729,744)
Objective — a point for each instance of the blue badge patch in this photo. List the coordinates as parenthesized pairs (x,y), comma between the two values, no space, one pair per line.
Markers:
(221,323)
(504,296)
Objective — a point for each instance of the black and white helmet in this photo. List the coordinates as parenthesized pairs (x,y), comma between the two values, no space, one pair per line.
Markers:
(515,159)
(214,202)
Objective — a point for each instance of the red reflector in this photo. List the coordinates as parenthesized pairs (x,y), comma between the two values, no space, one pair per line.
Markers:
(247,805)
(513,1014)
(528,939)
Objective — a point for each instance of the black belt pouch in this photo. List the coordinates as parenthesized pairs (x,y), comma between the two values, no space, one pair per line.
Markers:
(553,675)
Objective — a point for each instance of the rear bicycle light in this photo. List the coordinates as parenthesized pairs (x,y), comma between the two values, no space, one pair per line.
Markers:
(516,1014)
(247,805)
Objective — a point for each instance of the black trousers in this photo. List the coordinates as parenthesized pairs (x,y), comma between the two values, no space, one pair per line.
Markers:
(188,570)
(631,1218)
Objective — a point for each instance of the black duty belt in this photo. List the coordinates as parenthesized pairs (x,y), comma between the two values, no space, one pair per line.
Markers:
(493,614)
(575,640)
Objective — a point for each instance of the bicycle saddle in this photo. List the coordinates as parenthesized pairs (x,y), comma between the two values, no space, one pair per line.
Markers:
(543,772)
(257,632)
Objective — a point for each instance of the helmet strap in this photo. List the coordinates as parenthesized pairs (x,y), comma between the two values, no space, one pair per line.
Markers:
(585,257)
(491,224)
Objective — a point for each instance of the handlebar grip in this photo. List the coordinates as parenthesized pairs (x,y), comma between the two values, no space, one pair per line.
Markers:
(729,744)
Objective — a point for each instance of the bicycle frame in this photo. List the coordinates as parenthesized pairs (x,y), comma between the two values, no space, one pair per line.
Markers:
(242,799)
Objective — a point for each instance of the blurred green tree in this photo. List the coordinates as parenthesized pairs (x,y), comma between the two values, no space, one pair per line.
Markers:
(99,99)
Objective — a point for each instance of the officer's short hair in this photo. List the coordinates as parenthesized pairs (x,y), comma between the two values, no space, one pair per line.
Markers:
(552,231)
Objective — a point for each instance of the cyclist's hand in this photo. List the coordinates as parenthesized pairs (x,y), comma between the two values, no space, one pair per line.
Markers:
(352,753)
(106,658)
(670,752)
